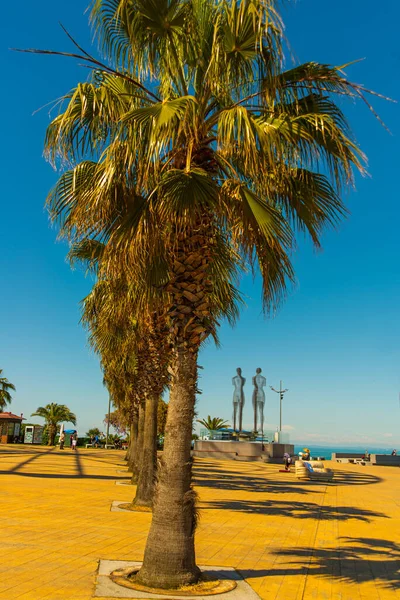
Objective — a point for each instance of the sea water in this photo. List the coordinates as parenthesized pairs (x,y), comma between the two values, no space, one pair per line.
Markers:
(326,451)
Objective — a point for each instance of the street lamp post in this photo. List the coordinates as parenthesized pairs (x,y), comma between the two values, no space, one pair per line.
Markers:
(281,393)
(108,420)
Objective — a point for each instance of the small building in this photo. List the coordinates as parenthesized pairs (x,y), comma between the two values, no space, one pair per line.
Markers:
(10,427)
(33,434)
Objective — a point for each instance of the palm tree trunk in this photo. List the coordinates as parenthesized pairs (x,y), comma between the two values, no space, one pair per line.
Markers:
(133,433)
(147,474)
(135,465)
(52,434)
(169,559)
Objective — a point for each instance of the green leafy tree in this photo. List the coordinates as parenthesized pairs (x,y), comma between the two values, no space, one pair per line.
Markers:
(113,437)
(117,421)
(213,424)
(45,436)
(54,414)
(193,156)
(5,395)
(93,432)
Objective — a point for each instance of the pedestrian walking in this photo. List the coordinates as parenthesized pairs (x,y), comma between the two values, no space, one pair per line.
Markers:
(62,440)
(74,440)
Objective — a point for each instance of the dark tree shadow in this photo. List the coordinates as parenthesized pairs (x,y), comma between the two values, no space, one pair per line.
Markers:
(221,481)
(356,560)
(18,451)
(296,510)
(79,468)
(65,476)
(29,460)
(211,475)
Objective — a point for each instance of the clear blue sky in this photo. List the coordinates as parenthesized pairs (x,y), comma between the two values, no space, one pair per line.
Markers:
(335,343)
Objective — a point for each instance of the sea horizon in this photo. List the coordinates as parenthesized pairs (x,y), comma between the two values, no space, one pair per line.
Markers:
(327,450)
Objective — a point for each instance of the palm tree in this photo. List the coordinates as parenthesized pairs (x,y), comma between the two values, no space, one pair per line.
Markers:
(213,424)
(112,335)
(119,337)
(54,414)
(154,356)
(92,432)
(5,387)
(192,157)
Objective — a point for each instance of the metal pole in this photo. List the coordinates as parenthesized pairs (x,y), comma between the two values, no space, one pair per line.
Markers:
(108,420)
(281,392)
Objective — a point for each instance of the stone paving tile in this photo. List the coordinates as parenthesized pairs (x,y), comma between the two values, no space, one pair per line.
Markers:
(291,540)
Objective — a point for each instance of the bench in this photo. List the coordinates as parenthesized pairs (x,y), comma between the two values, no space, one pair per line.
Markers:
(385,460)
(347,456)
(318,473)
(316,470)
(93,446)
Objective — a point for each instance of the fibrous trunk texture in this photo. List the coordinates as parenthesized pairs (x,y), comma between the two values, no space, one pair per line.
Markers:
(137,454)
(129,450)
(52,434)
(133,439)
(169,559)
(147,473)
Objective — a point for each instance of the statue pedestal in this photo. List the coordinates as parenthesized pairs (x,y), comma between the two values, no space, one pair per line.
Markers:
(243,451)
(273,453)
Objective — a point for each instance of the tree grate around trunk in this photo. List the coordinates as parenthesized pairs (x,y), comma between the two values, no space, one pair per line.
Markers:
(207,586)
(135,507)
(113,581)
(123,506)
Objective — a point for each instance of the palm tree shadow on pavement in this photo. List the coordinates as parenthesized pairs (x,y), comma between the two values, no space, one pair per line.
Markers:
(354,560)
(293,509)
(212,475)
(35,456)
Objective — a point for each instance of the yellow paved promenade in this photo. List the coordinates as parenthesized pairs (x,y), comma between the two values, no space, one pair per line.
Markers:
(291,540)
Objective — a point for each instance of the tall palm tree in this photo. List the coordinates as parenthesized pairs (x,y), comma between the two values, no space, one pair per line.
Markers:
(193,156)
(154,354)
(54,414)
(5,387)
(111,334)
(213,424)
(119,337)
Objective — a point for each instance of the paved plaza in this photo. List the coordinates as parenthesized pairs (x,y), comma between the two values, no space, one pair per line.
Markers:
(290,540)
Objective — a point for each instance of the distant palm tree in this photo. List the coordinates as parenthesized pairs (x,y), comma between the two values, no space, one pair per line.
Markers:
(5,386)
(213,424)
(92,432)
(54,414)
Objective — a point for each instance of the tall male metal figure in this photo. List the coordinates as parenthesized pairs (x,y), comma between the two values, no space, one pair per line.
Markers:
(259,382)
(238,398)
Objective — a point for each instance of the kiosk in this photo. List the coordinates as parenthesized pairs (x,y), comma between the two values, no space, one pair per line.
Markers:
(10,427)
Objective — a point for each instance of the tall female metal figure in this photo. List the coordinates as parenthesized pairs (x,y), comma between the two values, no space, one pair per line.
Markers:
(259,382)
(238,398)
